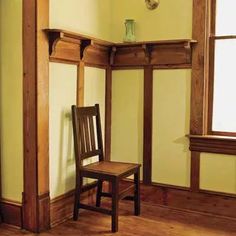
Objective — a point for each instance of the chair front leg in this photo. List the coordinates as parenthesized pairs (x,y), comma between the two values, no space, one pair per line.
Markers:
(137,193)
(99,191)
(115,204)
(77,198)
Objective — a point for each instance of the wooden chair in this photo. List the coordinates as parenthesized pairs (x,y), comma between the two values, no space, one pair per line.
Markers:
(88,143)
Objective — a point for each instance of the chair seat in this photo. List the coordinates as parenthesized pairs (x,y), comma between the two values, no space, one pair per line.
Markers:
(110,168)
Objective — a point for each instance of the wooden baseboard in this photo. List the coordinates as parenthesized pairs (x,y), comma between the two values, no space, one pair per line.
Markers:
(44,212)
(181,198)
(61,208)
(11,212)
(202,202)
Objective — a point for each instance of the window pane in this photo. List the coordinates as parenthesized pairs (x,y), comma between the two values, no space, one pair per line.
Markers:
(225,17)
(224,106)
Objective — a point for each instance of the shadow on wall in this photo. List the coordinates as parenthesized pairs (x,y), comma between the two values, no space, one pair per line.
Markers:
(66,162)
(185,144)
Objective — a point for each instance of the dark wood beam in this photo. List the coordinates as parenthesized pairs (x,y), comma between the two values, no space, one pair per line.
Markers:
(147,125)
(195,171)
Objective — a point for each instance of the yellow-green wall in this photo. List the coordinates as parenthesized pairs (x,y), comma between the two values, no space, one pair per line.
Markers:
(127,116)
(218,172)
(172,20)
(94,90)
(62,94)
(89,17)
(171,115)
(11,105)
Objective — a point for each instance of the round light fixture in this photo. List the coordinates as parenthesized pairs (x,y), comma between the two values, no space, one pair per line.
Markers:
(152,4)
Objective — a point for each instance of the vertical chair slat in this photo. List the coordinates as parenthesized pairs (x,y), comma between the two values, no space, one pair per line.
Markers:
(86,133)
(82,139)
(92,137)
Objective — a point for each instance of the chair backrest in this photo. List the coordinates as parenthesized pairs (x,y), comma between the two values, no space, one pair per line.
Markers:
(87,133)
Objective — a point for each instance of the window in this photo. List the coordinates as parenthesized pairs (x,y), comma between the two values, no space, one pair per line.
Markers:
(222,68)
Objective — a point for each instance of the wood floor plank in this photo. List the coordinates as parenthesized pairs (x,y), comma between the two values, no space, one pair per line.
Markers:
(154,221)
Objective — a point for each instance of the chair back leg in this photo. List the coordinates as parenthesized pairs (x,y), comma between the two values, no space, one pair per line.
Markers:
(115,205)
(77,199)
(137,193)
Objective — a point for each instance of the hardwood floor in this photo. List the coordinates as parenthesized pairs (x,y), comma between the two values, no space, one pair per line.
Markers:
(154,221)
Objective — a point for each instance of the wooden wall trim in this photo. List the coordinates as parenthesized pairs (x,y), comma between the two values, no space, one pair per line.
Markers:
(80,84)
(30,115)
(164,53)
(199,84)
(195,171)
(69,47)
(62,206)
(201,202)
(204,202)
(108,112)
(11,212)
(213,144)
(147,125)
(43,116)
(35,107)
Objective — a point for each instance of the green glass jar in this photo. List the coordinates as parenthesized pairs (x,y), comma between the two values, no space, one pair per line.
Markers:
(129,30)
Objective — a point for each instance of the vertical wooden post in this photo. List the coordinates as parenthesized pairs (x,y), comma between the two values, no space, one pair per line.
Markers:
(108,104)
(195,171)
(147,125)
(80,84)
(36,201)
(199,84)
(199,81)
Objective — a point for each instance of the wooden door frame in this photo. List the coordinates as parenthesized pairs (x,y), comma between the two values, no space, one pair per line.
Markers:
(36,200)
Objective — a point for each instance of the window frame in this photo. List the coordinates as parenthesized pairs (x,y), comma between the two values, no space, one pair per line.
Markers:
(201,137)
(212,38)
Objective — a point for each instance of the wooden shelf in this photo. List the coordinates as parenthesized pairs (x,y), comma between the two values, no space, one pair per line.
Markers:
(69,47)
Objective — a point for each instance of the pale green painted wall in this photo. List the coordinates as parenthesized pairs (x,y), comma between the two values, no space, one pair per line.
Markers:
(171,115)
(89,17)
(94,90)
(172,20)
(62,94)
(218,172)
(11,77)
(127,116)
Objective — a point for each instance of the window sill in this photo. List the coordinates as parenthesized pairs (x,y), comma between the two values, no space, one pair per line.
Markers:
(213,144)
